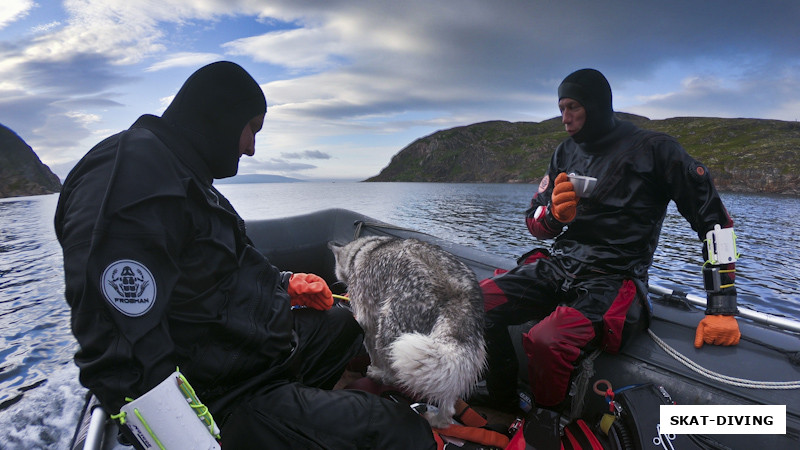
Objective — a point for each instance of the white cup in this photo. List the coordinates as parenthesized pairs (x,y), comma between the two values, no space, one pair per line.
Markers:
(583,185)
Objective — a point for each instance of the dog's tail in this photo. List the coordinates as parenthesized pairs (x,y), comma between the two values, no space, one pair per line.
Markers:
(437,367)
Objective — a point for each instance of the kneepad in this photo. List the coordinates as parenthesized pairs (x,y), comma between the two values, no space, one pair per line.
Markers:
(552,347)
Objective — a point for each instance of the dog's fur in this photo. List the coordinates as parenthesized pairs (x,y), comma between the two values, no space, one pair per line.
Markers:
(422,314)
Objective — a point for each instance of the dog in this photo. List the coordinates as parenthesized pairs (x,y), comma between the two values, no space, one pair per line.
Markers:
(422,314)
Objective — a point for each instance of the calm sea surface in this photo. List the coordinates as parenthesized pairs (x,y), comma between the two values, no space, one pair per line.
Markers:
(40,396)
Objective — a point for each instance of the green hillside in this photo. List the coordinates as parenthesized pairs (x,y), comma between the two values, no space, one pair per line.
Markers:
(21,171)
(744,155)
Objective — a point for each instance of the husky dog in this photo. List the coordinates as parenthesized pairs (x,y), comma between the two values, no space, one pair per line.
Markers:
(422,314)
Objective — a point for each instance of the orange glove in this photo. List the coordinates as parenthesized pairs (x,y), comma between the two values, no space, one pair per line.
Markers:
(307,289)
(563,201)
(717,330)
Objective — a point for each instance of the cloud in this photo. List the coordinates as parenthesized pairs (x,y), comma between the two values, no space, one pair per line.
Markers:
(766,96)
(51,130)
(274,165)
(384,61)
(13,10)
(310,49)
(81,74)
(50,99)
(45,27)
(308,154)
(342,76)
(59,79)
(183,59)
(29,112)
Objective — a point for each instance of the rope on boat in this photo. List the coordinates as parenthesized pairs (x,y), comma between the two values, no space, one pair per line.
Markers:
(581,384)
(741,382)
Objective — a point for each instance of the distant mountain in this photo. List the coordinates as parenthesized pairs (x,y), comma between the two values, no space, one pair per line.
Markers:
(22,173)
(744,155)
(256,178)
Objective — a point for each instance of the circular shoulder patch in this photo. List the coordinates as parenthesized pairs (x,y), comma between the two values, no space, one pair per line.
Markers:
(544,183)
(698,172)
(129,287)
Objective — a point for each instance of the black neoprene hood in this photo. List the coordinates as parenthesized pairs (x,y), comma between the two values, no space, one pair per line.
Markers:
(212,108)
(591,89)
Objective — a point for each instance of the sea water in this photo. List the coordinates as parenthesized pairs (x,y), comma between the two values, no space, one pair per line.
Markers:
(41,398)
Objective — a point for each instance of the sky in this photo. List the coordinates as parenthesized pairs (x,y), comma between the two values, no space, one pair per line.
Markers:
(350,83)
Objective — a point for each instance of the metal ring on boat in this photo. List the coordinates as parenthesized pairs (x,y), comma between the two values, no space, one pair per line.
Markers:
(603,392)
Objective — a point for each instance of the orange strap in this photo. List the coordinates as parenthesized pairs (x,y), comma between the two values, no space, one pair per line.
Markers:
(439,441)
(468,416)
(474,434)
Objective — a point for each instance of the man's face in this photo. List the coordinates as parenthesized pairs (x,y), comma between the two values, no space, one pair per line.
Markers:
(247,142)
(573,115)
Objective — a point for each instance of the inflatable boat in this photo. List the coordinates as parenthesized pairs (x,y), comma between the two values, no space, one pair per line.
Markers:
(764,369)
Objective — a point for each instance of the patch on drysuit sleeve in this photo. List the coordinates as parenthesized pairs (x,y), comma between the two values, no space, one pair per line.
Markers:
(543,184)
(698,172)
(129,287)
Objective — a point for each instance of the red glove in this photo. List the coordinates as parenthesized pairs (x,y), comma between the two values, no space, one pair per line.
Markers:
(563,201)
(717,330)
(307,289)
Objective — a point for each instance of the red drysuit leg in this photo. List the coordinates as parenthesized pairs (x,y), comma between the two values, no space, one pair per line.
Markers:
(552,346)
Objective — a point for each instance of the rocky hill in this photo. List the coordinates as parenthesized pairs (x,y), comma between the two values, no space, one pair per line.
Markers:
(21,171)
(744,155)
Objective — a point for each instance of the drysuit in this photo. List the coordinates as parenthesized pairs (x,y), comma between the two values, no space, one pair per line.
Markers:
(589,288)
(160,274)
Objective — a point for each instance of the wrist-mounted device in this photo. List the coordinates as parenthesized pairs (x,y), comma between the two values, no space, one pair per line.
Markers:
(721,246)
(719,271)
(716,278)
(722,303)
(720,290)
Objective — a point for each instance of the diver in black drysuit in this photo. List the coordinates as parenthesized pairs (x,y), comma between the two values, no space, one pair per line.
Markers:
(588,290)
(160,274)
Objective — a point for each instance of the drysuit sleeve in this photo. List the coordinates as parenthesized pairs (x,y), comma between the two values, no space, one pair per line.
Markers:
(692,188)
(120,317)
(538,217)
